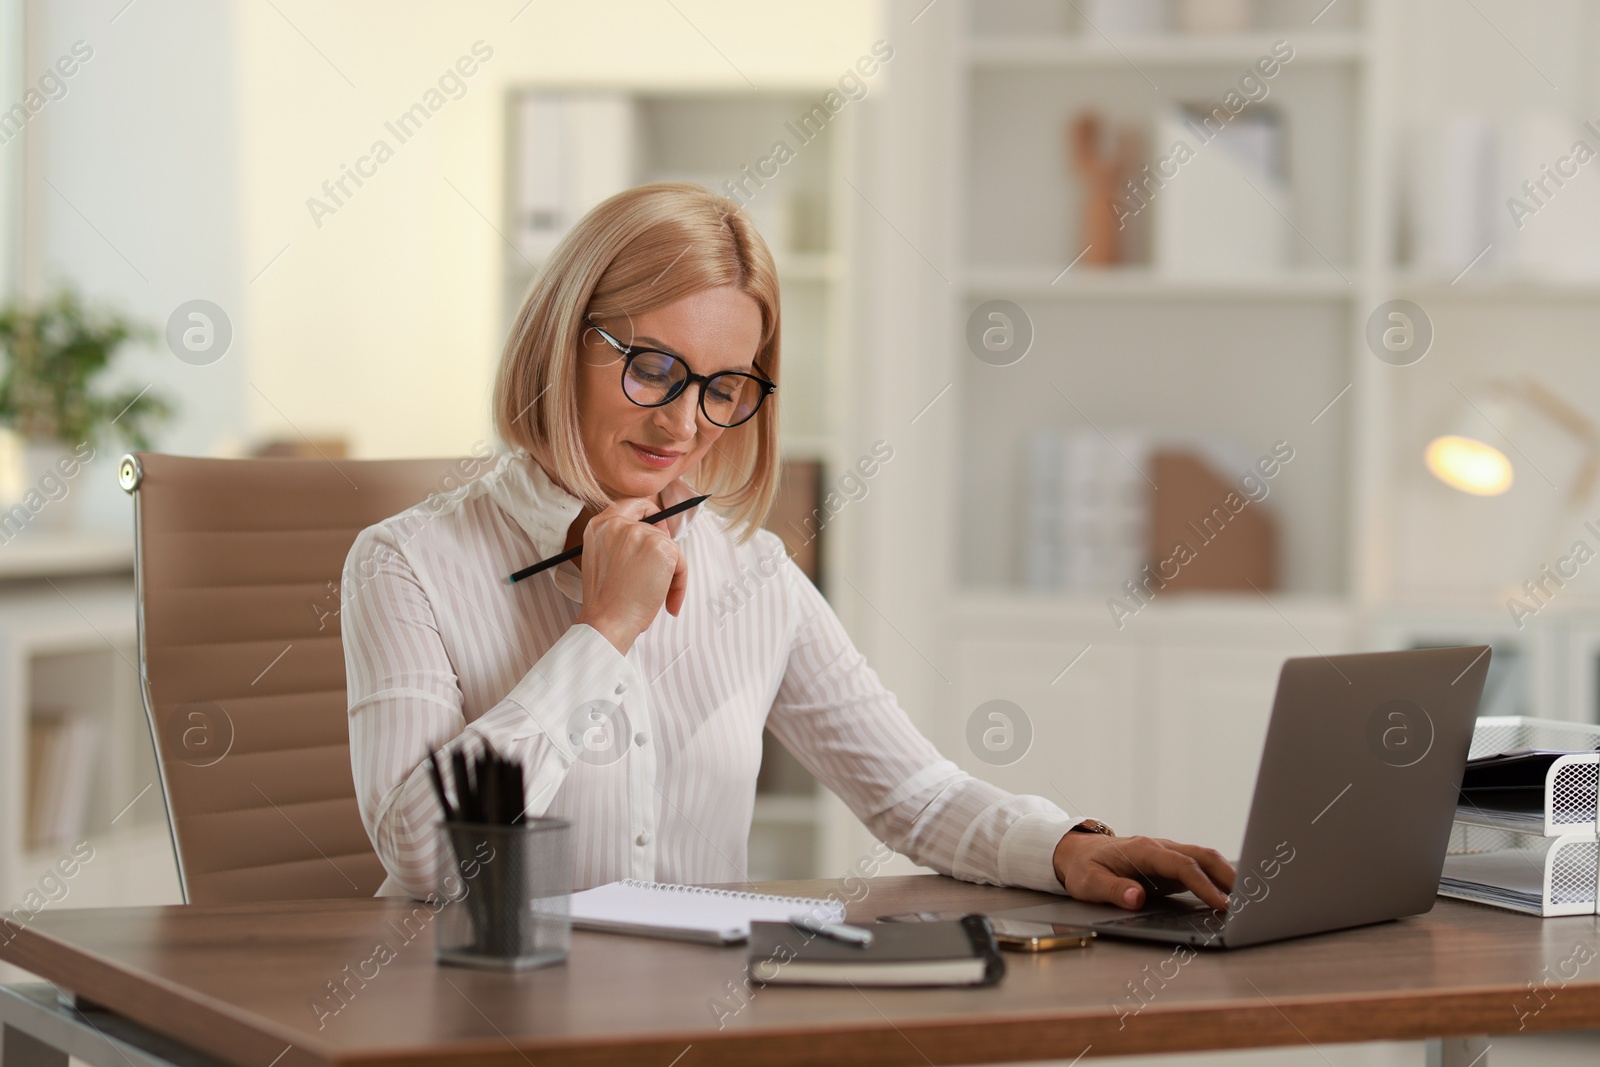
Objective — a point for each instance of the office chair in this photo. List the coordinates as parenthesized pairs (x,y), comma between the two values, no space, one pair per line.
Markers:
(237,569)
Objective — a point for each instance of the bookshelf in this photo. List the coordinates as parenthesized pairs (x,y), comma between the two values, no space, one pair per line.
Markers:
(806,215)
(1019,73)
(68,654)
(971,163)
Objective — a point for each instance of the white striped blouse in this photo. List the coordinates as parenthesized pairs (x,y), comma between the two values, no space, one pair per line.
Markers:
(652,755)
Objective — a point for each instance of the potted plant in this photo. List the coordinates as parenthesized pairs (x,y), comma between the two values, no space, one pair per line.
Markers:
(55,351)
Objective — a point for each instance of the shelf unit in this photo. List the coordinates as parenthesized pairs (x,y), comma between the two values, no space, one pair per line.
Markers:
(1020,71)
(1062,50)
(1122,342)
(707,137)
(1370,543)
(68,645)
(1141,283)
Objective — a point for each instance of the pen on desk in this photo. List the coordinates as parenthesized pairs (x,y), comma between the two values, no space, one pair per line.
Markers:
(852,935)
(574,553)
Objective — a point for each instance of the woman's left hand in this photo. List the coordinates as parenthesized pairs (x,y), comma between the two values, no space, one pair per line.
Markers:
(1123,870)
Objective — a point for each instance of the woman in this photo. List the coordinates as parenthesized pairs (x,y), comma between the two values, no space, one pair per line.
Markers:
(640,372)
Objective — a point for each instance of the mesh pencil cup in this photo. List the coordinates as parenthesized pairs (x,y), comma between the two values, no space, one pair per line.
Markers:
(507,900)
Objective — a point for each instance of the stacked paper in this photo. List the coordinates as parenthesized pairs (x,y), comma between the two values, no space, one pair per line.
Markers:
(1532,789)
(1558,878)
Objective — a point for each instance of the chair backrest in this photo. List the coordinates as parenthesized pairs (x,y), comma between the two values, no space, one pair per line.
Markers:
(237,572)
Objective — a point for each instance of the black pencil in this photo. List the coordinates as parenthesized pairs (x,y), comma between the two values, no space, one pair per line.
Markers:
(574,553)
(438,786)
(466,795)
(519,794)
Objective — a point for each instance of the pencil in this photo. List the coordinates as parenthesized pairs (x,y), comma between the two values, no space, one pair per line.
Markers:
(574,553)
(438,786)
(519,793)
(466,795)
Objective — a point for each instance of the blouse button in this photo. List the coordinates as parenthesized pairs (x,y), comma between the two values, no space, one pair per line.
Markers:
(640,739)
(622,687)
(642,840)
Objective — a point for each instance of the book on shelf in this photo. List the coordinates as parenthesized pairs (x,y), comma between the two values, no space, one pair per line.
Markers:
(1087,510)
(1153,509)
(1228,213)
(798,516)
(569,151)
(61,759)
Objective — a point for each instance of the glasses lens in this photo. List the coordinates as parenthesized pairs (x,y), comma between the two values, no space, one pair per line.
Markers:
(654,378)
(732,398)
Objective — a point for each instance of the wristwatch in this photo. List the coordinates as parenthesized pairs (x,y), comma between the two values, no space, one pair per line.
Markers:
(1093,826)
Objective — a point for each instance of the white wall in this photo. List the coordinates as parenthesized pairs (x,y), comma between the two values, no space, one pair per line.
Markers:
(133,195)
(385,321)
(192,139)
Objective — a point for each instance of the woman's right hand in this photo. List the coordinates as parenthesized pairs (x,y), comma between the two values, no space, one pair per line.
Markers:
(630,569)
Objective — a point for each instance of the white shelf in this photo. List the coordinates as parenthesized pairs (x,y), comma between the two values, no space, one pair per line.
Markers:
(1018,601)
(132,865)
(792,267)
(39,556)
(124,844)
(1490,286)
(1141,283)
(980,612)
(1092,51)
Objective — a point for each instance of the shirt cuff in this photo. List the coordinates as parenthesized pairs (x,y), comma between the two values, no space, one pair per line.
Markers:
(580,668)
(1027,851)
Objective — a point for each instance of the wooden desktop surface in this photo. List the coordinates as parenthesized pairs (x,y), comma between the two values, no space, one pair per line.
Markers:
(240,981)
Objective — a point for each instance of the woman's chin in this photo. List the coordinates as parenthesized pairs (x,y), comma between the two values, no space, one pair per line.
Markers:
(638,483)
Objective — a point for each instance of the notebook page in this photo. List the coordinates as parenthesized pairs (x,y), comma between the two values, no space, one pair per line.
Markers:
(725,912)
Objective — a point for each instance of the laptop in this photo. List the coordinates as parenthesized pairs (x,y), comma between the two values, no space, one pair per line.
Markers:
(1353,804)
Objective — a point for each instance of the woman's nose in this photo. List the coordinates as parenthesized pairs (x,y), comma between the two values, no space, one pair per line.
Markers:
(679,417)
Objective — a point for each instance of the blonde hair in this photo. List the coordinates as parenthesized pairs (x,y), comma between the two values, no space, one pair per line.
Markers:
(639,250)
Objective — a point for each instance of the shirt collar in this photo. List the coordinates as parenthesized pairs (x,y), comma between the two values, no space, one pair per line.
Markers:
(545,511)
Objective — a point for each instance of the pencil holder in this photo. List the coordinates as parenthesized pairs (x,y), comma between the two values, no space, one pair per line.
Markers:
(507,897)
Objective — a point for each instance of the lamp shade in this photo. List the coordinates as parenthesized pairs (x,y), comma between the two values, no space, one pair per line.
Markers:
(1469,453)
(1468,464)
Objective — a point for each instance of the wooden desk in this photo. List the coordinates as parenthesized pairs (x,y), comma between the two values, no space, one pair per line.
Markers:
(238,984)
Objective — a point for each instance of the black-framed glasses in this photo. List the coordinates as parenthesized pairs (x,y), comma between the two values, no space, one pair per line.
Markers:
(652,378)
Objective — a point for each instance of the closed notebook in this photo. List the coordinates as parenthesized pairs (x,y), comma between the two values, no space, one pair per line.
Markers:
(687,912)
(956,953)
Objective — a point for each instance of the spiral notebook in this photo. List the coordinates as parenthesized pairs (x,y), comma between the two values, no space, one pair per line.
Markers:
(688,912)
